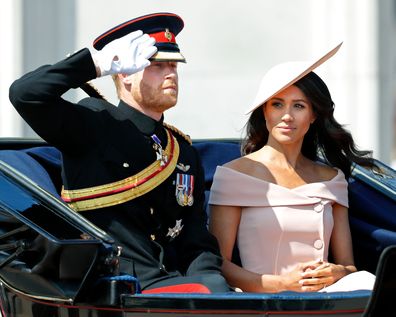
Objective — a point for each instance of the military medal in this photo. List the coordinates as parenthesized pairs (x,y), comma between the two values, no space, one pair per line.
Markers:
(184,189)
(161,156)
(183,167)
(175,231)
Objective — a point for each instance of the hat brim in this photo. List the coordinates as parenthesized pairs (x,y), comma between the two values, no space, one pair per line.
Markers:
(162,56)
(284,75)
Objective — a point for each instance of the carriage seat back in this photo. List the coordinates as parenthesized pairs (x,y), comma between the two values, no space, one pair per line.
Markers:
(41,164)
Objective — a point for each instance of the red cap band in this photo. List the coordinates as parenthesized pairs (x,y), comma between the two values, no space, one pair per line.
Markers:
(164,37)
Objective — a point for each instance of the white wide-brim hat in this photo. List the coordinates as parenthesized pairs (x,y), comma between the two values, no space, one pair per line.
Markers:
(284,75)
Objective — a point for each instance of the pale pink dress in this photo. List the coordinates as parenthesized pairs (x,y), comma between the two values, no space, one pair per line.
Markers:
(279,227)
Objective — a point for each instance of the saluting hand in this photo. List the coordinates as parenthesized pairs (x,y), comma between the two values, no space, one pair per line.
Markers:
(126,55)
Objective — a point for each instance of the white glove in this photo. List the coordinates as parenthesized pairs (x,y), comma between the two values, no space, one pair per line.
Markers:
(126,55)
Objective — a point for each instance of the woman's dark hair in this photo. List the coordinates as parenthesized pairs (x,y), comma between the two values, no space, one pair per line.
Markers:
(325,139)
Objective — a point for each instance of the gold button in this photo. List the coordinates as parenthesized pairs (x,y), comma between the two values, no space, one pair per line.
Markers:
(152,211)
(125,165)
(152,237)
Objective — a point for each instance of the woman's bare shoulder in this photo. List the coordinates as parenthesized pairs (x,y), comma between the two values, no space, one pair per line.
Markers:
(325,172)
(238,164)
(249,165)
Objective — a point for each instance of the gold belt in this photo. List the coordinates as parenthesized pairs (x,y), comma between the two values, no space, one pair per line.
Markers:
(127,189)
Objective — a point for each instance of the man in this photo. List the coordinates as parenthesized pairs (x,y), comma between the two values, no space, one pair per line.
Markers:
(124,169)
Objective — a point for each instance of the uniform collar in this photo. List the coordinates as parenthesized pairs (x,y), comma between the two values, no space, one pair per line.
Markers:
(144,123)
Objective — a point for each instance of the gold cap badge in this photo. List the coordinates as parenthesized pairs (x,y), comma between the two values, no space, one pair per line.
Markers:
(168,35)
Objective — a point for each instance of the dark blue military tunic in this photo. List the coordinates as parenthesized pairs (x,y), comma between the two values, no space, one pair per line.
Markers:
(161,234)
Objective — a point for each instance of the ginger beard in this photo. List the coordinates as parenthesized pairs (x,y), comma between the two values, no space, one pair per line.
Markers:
(159,98)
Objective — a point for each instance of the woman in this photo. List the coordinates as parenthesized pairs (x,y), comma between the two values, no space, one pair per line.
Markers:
(283,207)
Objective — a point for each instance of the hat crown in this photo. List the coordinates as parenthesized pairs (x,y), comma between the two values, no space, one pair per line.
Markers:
(279,76)
(150,23)
(284,75)
(162,26)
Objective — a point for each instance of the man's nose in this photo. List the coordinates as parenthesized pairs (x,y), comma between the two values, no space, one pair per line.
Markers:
(171,73)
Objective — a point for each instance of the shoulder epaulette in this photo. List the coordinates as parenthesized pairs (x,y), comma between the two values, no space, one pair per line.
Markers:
(174,129)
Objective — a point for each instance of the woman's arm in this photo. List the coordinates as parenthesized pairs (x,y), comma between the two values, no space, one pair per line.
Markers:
(224,223)
(341,242)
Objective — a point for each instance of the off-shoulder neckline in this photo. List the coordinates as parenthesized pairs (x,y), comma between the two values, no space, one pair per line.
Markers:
(280,186)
